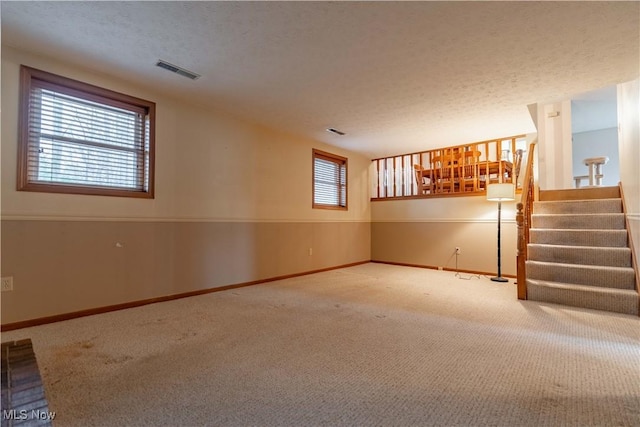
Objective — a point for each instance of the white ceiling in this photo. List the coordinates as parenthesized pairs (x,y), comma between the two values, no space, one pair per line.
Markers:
(395,76)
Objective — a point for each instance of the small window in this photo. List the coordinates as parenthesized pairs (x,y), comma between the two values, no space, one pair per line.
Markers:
(79,138)
(329,181)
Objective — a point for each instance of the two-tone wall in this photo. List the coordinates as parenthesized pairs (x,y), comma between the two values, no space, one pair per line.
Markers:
(232,205)
(425,232)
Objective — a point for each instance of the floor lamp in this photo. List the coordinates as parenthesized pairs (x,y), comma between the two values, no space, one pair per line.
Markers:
(500,193)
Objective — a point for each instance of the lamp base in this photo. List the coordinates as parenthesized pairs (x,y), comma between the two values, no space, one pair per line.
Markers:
(500,279)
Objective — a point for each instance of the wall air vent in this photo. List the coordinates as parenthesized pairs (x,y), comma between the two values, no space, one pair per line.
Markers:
(336,131)
(177,70)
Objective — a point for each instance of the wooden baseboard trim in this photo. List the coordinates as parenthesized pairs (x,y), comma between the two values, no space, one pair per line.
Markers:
(132,304)
(431,267)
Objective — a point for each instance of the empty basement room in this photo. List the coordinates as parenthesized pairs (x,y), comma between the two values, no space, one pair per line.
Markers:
(284,213)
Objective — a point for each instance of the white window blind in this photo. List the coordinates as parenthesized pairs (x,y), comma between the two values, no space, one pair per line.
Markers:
(329,180)
(83,141)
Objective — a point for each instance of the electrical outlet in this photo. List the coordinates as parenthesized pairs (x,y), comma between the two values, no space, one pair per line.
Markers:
(7,284)
(310,251)
(458,250)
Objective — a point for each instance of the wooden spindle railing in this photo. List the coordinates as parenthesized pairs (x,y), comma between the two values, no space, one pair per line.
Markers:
(523,221)
(457,170)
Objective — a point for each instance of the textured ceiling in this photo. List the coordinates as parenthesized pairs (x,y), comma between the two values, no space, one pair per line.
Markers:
(395,76)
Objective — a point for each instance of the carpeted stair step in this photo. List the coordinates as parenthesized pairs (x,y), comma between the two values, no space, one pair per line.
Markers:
(598,298)
(590,275)
(608,238)
(584,255)
(579,206)
(578,252)
(581,193)
(605,221)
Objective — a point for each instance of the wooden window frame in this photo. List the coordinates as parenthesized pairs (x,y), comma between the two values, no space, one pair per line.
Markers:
(31,77)
(340,161)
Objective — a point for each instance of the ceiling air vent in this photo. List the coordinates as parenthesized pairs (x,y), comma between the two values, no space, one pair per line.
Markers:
(177,70)
(336,131)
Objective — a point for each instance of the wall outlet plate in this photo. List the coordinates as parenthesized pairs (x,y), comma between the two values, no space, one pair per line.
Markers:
(7,284)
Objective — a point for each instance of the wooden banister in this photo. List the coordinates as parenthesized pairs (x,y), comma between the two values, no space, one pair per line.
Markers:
(634,256)
(523,221)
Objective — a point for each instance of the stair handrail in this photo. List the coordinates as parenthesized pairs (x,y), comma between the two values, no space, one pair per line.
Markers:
(523,221)
(630,243)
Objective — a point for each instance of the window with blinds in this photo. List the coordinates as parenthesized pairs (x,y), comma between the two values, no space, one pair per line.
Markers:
(79,138)
(329,181)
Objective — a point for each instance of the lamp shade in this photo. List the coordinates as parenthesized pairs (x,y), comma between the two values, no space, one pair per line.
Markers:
(501,192)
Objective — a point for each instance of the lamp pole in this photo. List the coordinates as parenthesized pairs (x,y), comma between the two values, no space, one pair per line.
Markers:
(498,193)
(499,277)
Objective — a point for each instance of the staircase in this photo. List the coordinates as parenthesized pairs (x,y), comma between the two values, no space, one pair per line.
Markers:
(578,253)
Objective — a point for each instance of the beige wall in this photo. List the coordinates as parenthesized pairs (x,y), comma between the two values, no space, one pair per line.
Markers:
(426,231)
(67,266)
(233,204)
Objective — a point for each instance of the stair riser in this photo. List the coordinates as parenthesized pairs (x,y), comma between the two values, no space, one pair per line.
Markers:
(595,222)
(610,257)
(579,207)
(603,238)
(626,304)
(582,275)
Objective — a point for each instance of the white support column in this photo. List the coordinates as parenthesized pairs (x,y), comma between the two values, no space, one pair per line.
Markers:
(554,140)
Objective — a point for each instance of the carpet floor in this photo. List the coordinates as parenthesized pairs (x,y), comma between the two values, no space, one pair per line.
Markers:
(370,345)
